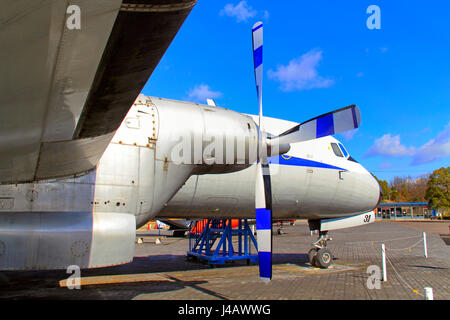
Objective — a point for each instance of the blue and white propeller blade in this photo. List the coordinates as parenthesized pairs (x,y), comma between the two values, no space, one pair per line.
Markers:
(257,37)
(330,123)
(263,193)
(337,121)
(263,204)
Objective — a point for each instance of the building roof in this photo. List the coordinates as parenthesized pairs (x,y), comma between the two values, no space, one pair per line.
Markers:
(404,204)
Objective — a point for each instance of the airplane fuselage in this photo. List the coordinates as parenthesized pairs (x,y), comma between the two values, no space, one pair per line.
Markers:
(161,163)
(74,188)
(134,177)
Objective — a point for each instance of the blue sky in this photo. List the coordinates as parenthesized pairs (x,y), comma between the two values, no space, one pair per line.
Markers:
(320,56)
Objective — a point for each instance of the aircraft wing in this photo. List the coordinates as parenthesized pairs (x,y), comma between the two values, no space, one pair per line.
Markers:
(64,91)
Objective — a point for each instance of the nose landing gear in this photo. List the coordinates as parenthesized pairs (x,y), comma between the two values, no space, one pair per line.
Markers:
(320,256)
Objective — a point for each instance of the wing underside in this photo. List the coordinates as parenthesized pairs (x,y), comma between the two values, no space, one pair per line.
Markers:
(64,92)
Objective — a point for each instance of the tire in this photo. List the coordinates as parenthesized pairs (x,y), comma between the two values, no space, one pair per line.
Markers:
(311,254)
(323,258)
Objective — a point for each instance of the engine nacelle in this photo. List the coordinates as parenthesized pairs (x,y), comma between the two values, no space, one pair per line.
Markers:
(213,139)
(56,240)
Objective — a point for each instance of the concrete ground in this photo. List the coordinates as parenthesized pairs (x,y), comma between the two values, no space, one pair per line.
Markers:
(161,271)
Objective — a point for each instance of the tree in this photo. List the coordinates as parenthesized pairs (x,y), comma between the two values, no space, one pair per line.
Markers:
(437,194)
(417,189)
(399,189)
(385,190)
(404,189)
(409,189)
(394,194)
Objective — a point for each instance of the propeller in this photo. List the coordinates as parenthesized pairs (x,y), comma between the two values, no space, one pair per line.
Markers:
(263,193)
(337,121)
(330,123)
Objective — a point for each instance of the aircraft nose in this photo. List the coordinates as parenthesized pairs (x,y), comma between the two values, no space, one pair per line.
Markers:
(375,190)
(359,191)
(366,192)
(381,195)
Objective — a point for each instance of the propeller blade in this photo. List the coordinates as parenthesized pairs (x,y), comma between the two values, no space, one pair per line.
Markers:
(330,123)
(257,37)
(263,205)
(263,193)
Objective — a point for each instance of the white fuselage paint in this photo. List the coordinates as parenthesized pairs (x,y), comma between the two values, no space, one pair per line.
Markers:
(298,191)
(135,176)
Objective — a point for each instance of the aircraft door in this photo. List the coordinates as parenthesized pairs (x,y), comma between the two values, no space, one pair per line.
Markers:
(149,121)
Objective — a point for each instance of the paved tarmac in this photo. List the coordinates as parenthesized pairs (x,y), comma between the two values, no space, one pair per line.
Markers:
(161,271)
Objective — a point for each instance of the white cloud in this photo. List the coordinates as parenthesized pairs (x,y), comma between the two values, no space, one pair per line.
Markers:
(436,148)
(202,92)
(301,73)
(390,146)
(348,135)
(425,130)
(241,11)
(385,165)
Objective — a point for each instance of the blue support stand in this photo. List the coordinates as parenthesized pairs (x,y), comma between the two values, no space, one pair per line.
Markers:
(201,244)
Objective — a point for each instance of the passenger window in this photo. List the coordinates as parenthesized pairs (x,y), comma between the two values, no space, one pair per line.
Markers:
(336,150)
(343,150)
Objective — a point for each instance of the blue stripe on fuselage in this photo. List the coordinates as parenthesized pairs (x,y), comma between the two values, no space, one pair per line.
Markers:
(299,162)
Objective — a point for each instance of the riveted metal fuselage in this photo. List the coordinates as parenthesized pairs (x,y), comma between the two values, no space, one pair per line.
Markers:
(138,174)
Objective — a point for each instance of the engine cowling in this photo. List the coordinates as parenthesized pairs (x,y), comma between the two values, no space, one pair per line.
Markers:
(56,240)
(213,139)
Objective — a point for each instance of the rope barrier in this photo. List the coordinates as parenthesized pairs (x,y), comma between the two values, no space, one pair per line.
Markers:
(383,251)
(410,247)
(382,241)
(401,278)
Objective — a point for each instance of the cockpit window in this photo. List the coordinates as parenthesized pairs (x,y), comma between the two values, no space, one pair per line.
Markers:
(343,150)
(336,150)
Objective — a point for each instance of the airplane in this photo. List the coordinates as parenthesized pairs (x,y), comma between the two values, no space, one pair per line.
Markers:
(75,189)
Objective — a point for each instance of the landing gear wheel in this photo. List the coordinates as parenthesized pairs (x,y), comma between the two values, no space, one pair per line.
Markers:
(323,258)
(311,256)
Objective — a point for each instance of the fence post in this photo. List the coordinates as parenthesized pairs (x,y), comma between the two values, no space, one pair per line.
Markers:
(383,258)
(428,293)
(425,245)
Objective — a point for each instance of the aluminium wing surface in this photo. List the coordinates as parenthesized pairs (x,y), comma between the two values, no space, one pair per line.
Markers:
(64,92)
